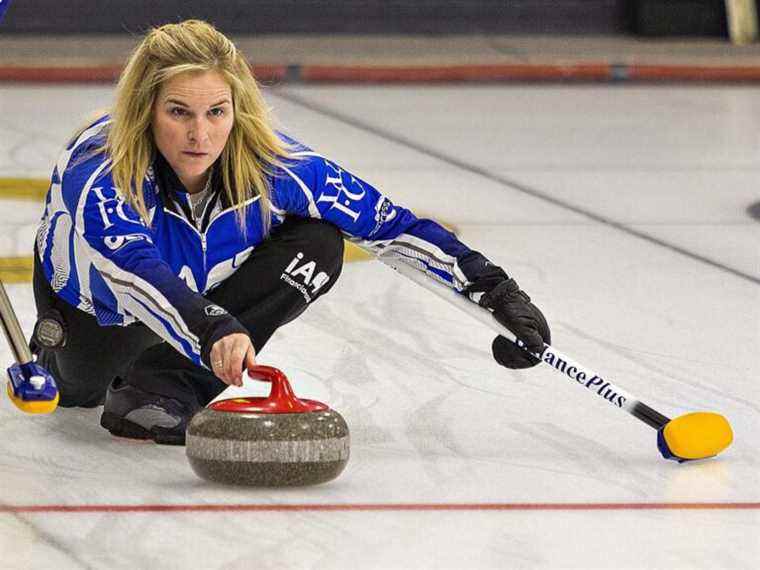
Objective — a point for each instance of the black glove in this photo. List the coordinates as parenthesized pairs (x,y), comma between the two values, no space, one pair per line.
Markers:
(513,309)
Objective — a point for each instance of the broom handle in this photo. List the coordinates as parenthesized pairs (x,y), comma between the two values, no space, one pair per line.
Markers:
(12,330)
(550,356)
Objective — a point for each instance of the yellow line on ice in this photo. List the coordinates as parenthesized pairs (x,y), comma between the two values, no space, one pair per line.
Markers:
(23,189)
(18,269)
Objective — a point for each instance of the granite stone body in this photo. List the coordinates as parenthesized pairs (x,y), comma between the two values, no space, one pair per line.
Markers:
(262,449)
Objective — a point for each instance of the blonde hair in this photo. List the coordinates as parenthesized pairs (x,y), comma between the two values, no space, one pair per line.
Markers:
(253,149)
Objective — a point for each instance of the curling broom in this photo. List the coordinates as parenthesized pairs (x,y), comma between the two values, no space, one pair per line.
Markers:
(697,435)
(30,387)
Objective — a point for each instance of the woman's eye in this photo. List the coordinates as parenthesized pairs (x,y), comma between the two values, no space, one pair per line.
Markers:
(177,111)
(217,112)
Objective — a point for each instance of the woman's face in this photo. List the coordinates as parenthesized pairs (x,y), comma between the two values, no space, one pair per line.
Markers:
(192,119)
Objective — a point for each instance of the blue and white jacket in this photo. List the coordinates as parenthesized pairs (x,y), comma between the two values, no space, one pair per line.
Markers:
(99,256)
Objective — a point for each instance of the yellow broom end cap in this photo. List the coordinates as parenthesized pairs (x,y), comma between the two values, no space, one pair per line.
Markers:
(35,406)
(698,435)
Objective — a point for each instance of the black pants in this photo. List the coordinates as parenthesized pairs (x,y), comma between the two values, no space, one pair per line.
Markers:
(261,294)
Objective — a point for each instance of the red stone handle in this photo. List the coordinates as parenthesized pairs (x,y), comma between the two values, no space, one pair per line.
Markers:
(281,399)
(281,393)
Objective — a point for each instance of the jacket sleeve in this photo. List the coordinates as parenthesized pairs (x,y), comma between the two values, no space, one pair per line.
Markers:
(121,249)
(316,187)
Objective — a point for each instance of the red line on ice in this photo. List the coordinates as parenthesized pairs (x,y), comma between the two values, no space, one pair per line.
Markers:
(420,507)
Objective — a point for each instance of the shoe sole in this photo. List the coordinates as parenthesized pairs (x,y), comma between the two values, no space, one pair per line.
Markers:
(120,427)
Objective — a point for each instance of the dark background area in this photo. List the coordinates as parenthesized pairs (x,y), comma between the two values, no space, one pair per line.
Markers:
(610,17)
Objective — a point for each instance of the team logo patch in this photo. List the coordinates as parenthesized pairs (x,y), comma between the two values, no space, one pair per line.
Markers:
(214,311)
(384,212)
(115,242)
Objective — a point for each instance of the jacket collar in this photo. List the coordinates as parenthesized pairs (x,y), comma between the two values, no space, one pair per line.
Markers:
(174,192)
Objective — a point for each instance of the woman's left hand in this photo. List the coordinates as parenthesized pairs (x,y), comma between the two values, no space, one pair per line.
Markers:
(512,308)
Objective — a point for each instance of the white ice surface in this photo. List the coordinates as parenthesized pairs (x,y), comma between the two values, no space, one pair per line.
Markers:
(433,419)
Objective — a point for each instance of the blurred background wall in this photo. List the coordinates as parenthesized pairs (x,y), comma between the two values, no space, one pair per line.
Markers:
(646,17)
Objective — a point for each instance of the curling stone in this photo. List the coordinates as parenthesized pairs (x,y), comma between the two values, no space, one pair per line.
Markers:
(277,441)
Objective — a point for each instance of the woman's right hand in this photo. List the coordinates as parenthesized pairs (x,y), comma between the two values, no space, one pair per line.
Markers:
(230,355)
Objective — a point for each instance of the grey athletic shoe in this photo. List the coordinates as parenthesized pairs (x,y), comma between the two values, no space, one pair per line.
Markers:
(130,412)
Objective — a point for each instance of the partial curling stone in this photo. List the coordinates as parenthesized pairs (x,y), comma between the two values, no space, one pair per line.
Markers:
(277,441)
